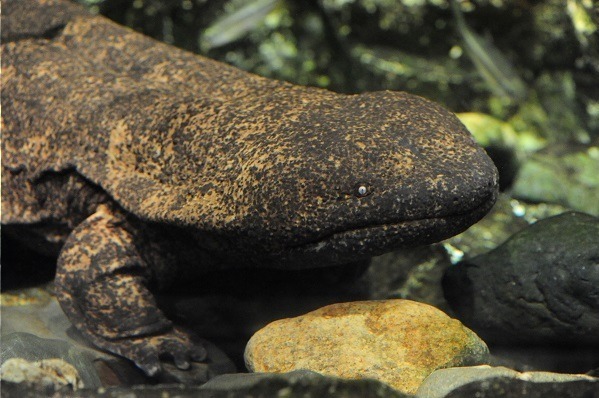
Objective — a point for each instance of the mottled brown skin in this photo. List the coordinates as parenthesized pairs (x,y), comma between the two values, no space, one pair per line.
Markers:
(145,165)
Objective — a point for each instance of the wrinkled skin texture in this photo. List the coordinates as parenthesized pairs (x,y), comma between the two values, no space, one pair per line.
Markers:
(139,165)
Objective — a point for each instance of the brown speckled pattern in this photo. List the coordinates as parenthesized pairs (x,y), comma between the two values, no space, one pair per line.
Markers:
(164,164)
(102,285)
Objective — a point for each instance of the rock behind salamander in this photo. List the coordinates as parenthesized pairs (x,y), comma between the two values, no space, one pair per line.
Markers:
(138,164)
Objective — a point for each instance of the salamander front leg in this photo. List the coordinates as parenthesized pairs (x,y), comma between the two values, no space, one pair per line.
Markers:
(101,284)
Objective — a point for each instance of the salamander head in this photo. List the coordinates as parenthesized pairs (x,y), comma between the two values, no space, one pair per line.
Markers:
(361,175)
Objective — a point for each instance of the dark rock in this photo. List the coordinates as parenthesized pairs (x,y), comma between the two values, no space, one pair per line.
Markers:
(540,287)
(299,384)
(14,390)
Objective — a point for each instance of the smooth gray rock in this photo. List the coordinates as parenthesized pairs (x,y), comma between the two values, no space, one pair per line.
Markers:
(299,383)
(443,382)
(539,287)
(570,179)
(505,387)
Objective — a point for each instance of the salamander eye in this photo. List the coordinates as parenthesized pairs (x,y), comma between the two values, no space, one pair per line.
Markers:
(362,190)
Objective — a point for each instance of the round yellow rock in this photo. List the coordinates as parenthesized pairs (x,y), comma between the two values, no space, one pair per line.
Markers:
(399,342)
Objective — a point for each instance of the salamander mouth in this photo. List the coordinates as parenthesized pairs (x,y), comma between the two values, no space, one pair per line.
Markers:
(376,239)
